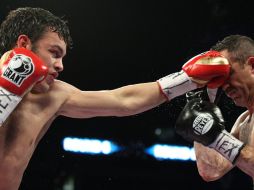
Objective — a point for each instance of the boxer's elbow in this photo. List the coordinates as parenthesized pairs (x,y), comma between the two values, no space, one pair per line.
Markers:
(209,178)
(209,175)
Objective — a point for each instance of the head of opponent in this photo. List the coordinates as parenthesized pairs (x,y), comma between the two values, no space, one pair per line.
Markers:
(40,31)
(239,50)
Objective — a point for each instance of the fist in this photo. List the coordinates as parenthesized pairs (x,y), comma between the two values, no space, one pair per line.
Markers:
(209,68)
(200,121)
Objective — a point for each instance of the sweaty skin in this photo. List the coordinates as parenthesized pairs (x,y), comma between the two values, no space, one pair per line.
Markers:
(51,98)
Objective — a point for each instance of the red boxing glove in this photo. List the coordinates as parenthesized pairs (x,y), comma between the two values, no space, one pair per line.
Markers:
(209,68)
(20,70)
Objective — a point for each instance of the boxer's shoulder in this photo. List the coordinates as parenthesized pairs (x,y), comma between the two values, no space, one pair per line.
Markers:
(63,87)
(240,123)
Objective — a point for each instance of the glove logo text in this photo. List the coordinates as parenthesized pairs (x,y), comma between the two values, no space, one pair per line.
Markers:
(18,69)
(7,100)
(202,123)
(228,146)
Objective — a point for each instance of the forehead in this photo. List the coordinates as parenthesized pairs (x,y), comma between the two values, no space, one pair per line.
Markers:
(233,65)
(52,39)
(225,53)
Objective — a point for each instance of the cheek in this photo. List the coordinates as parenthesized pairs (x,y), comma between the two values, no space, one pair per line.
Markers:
(47,62)
(46,59)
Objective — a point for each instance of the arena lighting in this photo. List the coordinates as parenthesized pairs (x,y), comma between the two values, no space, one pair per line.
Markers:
(171,152)
(106,147)
(89,146)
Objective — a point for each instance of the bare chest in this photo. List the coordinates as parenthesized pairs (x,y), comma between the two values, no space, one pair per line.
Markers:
(25,126)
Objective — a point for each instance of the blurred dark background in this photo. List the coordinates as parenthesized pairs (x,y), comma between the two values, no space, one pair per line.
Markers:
(120,42)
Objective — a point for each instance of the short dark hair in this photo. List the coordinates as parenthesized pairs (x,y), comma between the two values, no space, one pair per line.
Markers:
(240,47)
(32,22)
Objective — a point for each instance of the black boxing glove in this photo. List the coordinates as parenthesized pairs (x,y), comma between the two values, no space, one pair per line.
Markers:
(202,121)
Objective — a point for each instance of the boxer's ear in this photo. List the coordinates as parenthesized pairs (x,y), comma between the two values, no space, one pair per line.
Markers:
(250,62)
(23,41)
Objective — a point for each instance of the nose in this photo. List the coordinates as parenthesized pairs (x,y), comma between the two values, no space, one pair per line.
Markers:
(58,66)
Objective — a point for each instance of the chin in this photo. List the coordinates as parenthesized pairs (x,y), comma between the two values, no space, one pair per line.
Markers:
(41,87)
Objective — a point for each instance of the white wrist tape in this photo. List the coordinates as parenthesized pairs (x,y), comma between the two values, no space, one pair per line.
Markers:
(176,84)
(228,146)
(212,93)
(8,101)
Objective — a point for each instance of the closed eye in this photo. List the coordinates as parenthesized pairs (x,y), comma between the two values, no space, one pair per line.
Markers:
(55,53)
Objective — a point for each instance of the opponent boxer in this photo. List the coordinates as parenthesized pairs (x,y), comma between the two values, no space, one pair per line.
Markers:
(218,151)
(48,37)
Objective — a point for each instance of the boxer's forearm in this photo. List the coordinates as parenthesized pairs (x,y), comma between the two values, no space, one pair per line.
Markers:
(124,101)
(211,165)
(139,97)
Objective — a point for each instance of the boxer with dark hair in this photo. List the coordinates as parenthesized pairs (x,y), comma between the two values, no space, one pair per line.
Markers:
(42,101)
